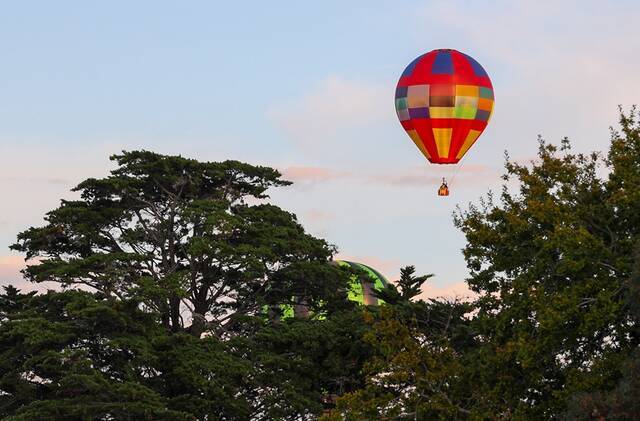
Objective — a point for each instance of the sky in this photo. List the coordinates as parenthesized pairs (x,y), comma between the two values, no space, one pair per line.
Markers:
(308,88)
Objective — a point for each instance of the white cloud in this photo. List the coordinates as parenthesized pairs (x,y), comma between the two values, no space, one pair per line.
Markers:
(335,104)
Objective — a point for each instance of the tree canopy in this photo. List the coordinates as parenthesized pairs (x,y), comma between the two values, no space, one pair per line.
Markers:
(190,240)
(174,271)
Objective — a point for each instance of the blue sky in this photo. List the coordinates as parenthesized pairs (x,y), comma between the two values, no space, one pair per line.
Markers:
(306,87)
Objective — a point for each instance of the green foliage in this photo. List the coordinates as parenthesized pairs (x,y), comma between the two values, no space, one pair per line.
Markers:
(178,266)
(551,264)
(302,362)
(70,356)
(77,355)
(408,288)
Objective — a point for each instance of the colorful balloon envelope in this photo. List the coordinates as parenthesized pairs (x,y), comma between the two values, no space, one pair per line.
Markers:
(361,290)
(444,101)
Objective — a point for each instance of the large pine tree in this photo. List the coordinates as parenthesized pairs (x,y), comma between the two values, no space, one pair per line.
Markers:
(173,274)
(191,240)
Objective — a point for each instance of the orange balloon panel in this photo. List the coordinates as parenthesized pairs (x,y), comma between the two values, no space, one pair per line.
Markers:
(444,101)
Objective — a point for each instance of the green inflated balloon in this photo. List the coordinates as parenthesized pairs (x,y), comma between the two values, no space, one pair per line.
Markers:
(361,289)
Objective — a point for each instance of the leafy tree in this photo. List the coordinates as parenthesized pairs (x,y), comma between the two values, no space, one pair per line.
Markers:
(169,265)
(551,264)
(619,403)
(180,236)
(407,288)
(307,362)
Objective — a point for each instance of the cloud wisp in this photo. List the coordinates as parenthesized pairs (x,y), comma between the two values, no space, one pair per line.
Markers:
(471,174)
(458,290)
(425,175)
(35,180)
(307,174)
(316,216)
(10,267)
(335,104)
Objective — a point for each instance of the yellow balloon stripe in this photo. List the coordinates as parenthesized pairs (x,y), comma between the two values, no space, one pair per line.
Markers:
(468,142)
(443,141)
(441,112)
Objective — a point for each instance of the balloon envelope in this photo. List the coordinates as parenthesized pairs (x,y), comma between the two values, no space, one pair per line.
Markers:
(361,290)
(444,100)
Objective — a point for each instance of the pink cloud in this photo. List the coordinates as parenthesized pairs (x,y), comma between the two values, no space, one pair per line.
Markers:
(470,174)
(311,174)
(10,267)
(414,176)
(316,215)
(458,290)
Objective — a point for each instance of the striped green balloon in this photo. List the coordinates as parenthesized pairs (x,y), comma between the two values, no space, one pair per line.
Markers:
(361,289)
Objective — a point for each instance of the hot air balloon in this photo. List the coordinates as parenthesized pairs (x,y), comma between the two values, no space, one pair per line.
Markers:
(361,290)
(444,100)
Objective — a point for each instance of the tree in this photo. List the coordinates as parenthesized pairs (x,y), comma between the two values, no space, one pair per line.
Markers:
(620,402)
(303,363)
(551,263)
(171,270)
(180,236)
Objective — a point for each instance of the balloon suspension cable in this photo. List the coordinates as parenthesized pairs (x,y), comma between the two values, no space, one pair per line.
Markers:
(457,170)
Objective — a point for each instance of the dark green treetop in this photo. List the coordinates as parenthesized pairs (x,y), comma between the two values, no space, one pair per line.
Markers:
(191,240)
(76,355)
